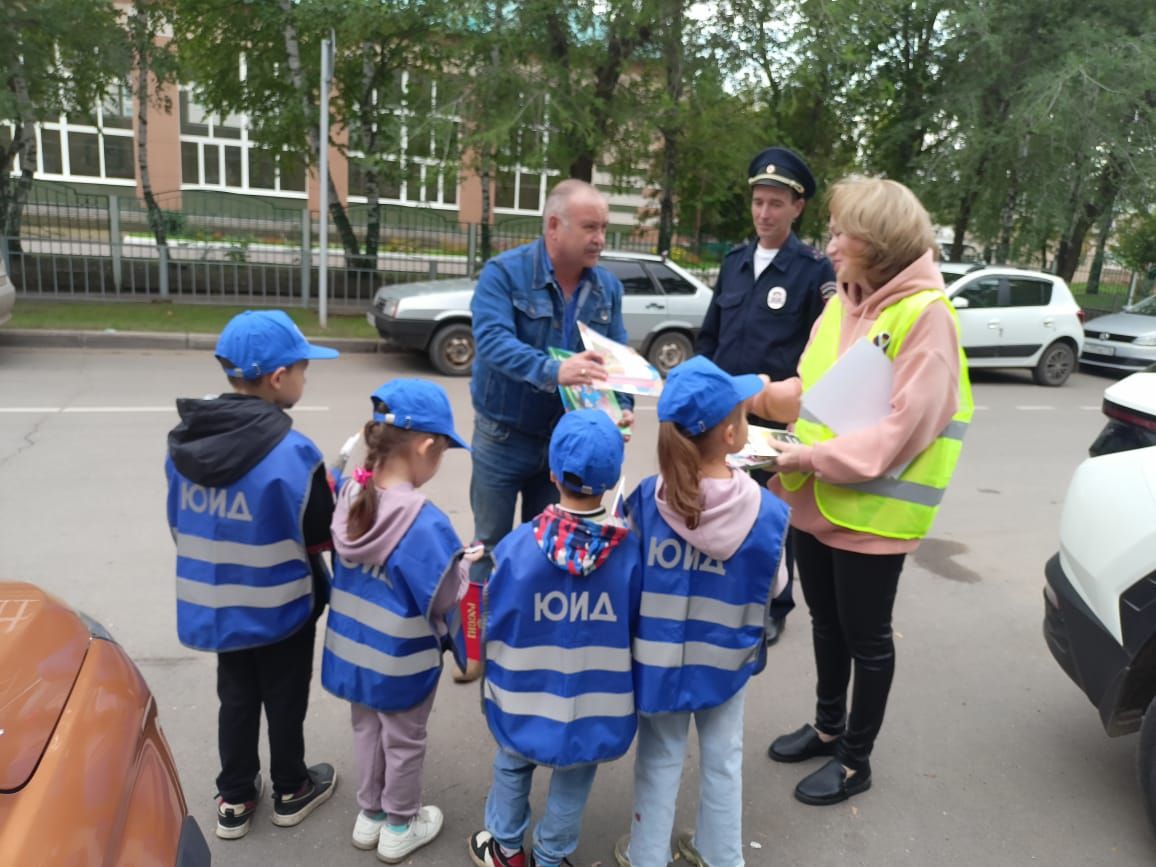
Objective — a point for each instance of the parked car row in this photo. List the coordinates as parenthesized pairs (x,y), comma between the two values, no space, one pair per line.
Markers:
(1009,318)
(663,307)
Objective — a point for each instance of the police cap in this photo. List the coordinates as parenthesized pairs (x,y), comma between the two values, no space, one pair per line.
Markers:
(780,167)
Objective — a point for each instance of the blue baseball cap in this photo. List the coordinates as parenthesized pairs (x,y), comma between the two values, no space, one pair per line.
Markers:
(415,404)
(257,342)
(699,394)
(586,445)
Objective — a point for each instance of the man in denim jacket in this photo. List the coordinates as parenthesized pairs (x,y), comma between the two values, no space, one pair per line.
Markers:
(528,299)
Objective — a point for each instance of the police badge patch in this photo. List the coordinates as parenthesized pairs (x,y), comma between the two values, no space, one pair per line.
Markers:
(776,298)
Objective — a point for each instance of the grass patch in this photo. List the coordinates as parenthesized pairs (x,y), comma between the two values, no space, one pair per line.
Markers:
(162,316)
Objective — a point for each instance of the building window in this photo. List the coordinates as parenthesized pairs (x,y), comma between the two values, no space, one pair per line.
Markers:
(418,156)
(217,153)
(522,176)
(92,147)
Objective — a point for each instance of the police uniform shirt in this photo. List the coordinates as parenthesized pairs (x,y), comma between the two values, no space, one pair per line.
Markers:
(761,324)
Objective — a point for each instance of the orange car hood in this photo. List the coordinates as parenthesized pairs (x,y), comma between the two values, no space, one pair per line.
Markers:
(42,646)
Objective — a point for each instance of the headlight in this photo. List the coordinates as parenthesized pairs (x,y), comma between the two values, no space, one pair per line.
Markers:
(388,306)
(1145,340)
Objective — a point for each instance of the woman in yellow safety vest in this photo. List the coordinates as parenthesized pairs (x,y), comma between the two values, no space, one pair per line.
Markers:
(864,490)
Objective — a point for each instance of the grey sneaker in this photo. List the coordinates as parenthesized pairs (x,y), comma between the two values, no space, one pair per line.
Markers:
(290,810)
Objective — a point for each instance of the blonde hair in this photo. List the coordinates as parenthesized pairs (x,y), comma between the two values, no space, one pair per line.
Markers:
(680,457)
(888,218)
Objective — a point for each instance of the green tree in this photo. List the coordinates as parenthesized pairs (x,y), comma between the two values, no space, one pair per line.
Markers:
(53,65)
(1136,246)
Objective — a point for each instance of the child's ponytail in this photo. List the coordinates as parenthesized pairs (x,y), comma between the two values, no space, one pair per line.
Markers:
(381,440)
(678,462)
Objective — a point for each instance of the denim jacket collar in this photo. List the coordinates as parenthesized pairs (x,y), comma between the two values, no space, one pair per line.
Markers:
(544,276)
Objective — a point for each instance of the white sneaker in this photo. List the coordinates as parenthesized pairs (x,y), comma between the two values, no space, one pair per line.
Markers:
(367,830)
(393,847)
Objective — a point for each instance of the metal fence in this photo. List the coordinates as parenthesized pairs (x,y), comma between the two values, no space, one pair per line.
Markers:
(231,248)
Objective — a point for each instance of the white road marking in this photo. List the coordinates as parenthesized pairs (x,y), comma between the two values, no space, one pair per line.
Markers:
(45,410)
(1030,407)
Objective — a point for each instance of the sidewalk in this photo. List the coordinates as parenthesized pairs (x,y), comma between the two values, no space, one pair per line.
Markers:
(153,340)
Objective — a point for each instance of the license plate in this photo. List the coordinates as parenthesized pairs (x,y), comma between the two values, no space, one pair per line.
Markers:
(1101,348)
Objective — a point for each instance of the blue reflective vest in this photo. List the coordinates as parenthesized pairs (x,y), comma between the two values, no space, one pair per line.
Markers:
(382,648)
(701,621)
(558,688)
(243,574)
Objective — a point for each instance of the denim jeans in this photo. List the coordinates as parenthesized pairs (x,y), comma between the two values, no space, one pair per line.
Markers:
(508,807)
(658,770)
(506,463)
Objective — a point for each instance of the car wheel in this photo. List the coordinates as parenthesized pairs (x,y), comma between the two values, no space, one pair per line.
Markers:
(1055,365)
(1146,763)
(668,350)
(452,349)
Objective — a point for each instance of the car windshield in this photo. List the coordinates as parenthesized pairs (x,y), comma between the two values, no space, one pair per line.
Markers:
(1146,307)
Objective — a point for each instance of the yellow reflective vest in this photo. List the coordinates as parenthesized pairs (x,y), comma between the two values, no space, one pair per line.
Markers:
(900,506)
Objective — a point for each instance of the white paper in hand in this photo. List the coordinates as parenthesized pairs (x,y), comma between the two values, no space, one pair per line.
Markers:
(854,393)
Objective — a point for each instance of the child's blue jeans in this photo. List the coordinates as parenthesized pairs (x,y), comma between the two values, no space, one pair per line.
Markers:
(658,771)
(508,807)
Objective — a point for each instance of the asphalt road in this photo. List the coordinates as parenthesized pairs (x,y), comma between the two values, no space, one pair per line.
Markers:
(988,756)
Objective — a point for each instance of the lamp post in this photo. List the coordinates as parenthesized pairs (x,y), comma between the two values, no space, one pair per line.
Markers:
(327,46)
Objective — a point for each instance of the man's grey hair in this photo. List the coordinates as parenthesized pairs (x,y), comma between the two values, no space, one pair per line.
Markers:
(558,202)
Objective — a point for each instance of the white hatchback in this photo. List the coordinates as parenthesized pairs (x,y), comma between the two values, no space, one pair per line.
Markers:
(1010,317)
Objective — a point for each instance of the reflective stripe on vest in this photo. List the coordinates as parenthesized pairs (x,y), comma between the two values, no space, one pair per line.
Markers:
(237,553)
(566,660)
(669,606)
(382,619)
(664,654)
(364,656)
(560,708)
(242,595)
(899,508)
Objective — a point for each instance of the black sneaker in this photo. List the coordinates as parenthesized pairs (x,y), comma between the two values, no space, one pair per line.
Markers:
(289,810)
(233,820)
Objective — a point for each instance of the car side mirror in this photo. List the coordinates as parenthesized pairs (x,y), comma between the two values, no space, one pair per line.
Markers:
(960,303)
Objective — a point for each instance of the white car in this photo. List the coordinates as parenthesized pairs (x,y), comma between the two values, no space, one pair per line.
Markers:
(1100,590)
(1010,317)
(663,307)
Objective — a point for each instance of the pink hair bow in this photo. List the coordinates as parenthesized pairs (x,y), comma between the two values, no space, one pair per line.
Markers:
(362,475)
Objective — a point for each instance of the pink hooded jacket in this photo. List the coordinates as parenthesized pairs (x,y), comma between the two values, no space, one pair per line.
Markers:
(924,397)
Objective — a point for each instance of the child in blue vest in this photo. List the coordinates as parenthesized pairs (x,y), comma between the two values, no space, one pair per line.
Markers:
(560,608)
(249,507)
(400,570)
(712,540)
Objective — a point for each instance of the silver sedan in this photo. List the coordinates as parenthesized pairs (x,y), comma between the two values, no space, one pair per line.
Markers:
(662,306)
(1122,341)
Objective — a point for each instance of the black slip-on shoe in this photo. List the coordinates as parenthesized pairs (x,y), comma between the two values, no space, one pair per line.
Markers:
(831,784)
(800,745)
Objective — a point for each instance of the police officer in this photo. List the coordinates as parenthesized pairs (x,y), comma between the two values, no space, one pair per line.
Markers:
(768,294)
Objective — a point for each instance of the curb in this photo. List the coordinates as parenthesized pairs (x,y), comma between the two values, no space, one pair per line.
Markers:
(47,337)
